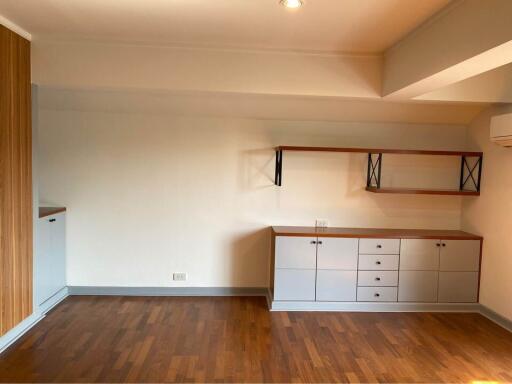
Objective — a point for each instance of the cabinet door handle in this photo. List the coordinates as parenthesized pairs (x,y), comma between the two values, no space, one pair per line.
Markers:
(444,245)
(438,244)
(379,246)
(378,262)
(312,242)
(52,220)
(377,295)
(320,242)
(377,279)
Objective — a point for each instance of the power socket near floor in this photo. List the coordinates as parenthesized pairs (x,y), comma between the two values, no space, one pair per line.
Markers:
(179,276)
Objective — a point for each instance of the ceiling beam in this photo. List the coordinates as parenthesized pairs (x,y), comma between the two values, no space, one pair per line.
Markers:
(465,39)
(121,66)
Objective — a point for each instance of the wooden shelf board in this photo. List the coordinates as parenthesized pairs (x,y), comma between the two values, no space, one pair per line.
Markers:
(413,191)
(378,150)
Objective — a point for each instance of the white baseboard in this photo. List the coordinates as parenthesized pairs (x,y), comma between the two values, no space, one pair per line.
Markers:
(166,291)
(54,300)
(496,318)
(15,333)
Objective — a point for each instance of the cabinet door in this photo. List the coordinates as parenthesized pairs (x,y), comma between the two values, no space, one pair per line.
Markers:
(336,285)
(460,255)
(418,286)
(379,246)
(50,260)
(335,253)
(43,268)
(295,284)
(419,255)
(58,248)
(458,287)
(295,252)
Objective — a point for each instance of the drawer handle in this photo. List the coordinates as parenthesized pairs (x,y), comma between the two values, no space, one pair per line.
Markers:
(378,262)
(312,242)
(52,220)
(377,295)
(379,246)
(377,279)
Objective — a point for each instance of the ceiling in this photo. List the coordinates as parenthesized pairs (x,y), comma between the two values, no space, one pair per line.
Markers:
(355,26)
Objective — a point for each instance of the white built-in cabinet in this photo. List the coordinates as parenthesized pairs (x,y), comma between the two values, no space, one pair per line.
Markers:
(50,257)
(330,269)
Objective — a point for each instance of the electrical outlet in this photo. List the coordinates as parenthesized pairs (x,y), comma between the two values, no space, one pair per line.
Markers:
(179,276)
(322,223)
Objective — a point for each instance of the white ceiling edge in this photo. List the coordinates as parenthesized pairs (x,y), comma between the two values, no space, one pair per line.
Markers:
(251,106)
(15,28)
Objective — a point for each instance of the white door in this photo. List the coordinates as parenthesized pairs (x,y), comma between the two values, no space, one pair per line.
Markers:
(42,274)
(418,286)
(337,253)
(460,255)
(419,255)
(458,287)
(334,285)
(295,284)
(50,262)
(295,252)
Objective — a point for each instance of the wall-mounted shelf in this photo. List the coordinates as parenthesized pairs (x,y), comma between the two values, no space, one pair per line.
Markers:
(470,176)
(452,192)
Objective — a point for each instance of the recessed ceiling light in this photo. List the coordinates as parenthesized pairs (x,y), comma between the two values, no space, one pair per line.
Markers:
(292,3)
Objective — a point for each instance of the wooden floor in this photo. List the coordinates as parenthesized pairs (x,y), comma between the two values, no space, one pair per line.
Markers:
(235,339)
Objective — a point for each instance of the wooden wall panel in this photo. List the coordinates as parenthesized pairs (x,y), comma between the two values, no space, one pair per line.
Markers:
(15,180)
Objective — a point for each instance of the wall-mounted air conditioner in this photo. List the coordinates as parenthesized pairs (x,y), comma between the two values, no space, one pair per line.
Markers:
(501,129)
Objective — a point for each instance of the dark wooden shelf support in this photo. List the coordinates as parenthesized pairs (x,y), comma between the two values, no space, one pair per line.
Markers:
(467,173)
(279,167)
(374,170)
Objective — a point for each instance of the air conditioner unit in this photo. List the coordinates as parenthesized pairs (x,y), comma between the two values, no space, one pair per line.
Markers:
(501,129)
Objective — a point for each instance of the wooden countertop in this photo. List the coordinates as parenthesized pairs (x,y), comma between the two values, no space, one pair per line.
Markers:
(47,211)
(380,233)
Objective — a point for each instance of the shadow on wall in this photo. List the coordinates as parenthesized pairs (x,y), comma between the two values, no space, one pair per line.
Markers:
(257,167)
(250,259)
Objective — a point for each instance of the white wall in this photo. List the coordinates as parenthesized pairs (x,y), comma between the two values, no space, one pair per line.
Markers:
(151,194)
(491,215)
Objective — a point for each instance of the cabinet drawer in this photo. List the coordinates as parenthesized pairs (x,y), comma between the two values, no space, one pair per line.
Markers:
(458,287)
(418,286)
(336,285)
(419,255)
(460,255)
(377,279)
(378,262)
(295,284)
(379,246)
(376,293)
(295,252)
(339,254)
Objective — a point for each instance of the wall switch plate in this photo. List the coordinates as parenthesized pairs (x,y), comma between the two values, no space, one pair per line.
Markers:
(322,223)
(179,276)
